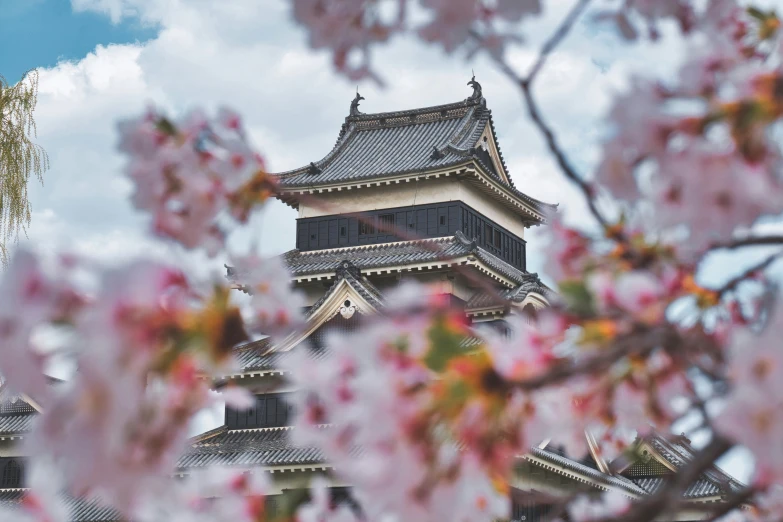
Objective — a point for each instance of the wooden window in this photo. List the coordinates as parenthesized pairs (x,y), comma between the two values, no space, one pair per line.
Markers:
(498,240)
(343,231)
(441,220)
(366,228)
(12,474)
(386,223)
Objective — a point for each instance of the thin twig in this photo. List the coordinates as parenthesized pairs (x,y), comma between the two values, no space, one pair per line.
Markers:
(557,37)
(535,114)
(763,265)
(748,242)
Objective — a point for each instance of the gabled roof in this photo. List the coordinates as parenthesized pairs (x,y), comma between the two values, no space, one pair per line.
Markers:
(660,457)
(17,411)
(352,277)
(380,145)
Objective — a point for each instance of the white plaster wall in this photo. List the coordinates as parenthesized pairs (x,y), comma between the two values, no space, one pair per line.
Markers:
(11,448)
(312,292)
(409,193)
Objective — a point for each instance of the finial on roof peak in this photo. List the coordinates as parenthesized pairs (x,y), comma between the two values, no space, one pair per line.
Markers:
(355,103)
(477,95)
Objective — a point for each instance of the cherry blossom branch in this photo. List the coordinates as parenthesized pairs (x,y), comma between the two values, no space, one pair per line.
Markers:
(526,84)
(557,37)
(638,344)
(748,242)
(735,281)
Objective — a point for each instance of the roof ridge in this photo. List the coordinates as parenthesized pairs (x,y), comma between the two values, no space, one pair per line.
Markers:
(464,103)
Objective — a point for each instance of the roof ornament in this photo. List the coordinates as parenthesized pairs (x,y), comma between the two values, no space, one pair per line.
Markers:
(471,244)
(355,103)
(346,268)
(313,169)
(477,95)
(437,153)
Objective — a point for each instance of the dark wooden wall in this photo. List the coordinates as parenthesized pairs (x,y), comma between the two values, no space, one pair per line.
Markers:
(420,221)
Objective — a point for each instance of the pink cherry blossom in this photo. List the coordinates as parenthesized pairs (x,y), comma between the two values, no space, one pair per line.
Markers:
(186,174)
(275,308)
(567,251)
(753,414)
(527,350)
(348,28)
(30,297)
(651,12)
(119,426)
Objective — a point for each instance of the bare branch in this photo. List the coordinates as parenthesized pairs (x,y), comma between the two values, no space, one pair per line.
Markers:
(535,114)
(763,265)
(557,37)
(749,242)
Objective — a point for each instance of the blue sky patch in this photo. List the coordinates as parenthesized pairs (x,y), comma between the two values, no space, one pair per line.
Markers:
(41,33)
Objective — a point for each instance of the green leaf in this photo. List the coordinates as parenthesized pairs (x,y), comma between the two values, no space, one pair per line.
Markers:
(165,126)
(445,344)
(577,296)
(757,13)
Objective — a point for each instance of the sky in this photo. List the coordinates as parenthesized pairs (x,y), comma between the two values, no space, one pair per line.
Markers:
(102,61)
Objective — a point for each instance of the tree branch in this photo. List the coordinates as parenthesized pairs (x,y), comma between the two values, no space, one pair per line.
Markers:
(735,281)
(557,37)
(748,242)
(535,114)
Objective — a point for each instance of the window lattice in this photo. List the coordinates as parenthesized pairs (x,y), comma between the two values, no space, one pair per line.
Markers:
(12,475)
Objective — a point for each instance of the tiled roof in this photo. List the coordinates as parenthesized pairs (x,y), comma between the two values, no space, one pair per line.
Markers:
(383,144)
(80,510)
(594,474)
(514,295)
(13,424)
(254,356)
(375,256)
(16,414)
(703,487)
(399,253)
(251,447)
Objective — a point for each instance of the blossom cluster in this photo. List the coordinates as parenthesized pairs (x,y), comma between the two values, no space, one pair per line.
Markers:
(714,167)
(142,340)
(190,173)
(349,29)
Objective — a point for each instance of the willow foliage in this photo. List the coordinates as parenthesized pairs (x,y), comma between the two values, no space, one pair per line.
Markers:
(19,156)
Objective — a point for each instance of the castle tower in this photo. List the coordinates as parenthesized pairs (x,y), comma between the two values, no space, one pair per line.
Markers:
(416,194)
(421,194)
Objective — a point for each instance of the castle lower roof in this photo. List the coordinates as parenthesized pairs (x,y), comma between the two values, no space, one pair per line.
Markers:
(401,253)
